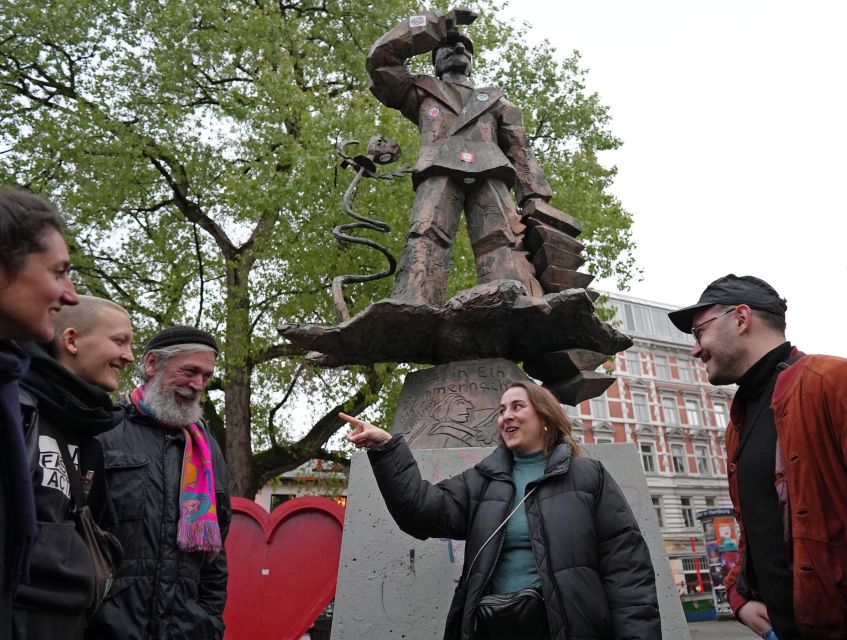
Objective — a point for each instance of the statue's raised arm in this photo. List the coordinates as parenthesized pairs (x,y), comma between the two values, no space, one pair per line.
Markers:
(474,151)
(415,35)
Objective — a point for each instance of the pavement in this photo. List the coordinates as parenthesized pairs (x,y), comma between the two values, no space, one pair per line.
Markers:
(719,630)
(711,630)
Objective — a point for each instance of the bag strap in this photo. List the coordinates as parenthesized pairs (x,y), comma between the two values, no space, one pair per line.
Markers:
(77,492)
(502,524)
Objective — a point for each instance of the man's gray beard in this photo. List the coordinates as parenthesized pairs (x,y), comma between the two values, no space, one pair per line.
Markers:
(165,407)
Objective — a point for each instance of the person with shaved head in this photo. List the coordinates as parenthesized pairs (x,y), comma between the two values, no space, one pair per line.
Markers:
(65,403)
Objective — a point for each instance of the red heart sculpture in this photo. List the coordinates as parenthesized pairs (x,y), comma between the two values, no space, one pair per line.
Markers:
(282,567)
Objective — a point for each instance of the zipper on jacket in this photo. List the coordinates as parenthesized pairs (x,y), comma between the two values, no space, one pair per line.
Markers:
(560,469)
(487,581)
(550,571)
(156,599)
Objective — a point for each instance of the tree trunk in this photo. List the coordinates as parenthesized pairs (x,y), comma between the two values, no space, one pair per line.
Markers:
(239,450)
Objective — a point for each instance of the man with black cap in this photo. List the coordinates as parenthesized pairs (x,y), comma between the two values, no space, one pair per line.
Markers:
(473,149)
(169,484)
(787,452)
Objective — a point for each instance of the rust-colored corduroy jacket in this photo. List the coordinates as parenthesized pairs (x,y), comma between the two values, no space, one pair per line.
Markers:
(809,406)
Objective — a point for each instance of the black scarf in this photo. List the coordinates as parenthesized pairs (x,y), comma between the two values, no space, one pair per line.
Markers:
(78,406)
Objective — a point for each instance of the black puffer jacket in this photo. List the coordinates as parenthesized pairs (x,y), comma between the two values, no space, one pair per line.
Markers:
(160,592)
(596,575)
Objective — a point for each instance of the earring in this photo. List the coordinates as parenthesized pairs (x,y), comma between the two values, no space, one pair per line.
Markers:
(74,350)
(545,427)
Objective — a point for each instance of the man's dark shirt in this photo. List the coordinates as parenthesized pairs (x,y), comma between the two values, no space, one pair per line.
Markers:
(766,564)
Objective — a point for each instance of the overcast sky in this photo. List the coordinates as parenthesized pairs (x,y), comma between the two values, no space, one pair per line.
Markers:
(732,114)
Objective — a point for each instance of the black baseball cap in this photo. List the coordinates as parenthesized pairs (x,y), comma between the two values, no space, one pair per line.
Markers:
(732,289)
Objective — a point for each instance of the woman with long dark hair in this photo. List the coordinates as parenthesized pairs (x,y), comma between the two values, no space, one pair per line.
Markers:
(34,285)
(552,551)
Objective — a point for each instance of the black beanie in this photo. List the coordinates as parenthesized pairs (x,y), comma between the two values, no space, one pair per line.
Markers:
(181,334)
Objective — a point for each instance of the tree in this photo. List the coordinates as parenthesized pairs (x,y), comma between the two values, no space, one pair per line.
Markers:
(190,147)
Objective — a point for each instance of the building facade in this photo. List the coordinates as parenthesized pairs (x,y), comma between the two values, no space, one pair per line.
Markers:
(663,403)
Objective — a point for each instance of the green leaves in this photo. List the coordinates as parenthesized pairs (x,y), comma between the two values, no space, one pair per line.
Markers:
(191,148)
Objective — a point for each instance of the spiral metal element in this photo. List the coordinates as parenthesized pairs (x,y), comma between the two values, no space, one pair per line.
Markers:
(382,151)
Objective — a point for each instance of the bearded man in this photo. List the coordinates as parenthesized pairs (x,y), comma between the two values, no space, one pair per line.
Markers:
(169,484)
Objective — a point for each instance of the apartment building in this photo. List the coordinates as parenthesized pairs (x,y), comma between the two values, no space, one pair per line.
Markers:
(662,402)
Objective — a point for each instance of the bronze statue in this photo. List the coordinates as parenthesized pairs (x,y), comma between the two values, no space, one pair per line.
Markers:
(530,305)
(473,151)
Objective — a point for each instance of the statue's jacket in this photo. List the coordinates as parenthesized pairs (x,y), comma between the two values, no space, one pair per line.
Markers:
(471,134)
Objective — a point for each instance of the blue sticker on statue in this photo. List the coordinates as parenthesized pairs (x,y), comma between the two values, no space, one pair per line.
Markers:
(417,21)
(482,97)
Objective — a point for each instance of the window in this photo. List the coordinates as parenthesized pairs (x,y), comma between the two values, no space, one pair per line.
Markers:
(648,460)
(710,501)
(603,440)
(692,581)
(687,512)
(662,369)
(721,415)
(657,505)
(684,367)
(678,458)
(701,454)
(650,321)
(278,498)
(639,403)
(633,363)
(670,410)
(637,318)
(599,407)
(571,411)
(692,411)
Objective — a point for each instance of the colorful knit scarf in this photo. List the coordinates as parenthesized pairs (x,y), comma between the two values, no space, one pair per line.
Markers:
(198,528)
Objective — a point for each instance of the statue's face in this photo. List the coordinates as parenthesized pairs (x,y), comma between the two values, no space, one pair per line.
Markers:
(453,57)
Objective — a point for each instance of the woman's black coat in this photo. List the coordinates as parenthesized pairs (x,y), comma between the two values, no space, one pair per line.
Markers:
(596,575)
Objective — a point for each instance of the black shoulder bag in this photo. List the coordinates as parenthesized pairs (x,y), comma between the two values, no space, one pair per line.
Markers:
(511,616)
(106,551)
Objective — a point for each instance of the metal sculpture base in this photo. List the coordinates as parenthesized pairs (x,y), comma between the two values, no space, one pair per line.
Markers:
(492,320)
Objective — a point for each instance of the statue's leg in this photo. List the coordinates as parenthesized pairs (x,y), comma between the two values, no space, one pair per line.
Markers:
(425,262)
(496,232)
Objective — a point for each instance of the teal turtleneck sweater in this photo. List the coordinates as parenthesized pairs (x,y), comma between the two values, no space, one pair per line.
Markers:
(515,568)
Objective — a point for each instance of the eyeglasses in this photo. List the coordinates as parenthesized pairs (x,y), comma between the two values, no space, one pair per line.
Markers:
(697,331)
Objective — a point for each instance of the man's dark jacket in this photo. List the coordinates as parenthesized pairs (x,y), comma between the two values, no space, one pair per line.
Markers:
(160,592)
(596,576)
